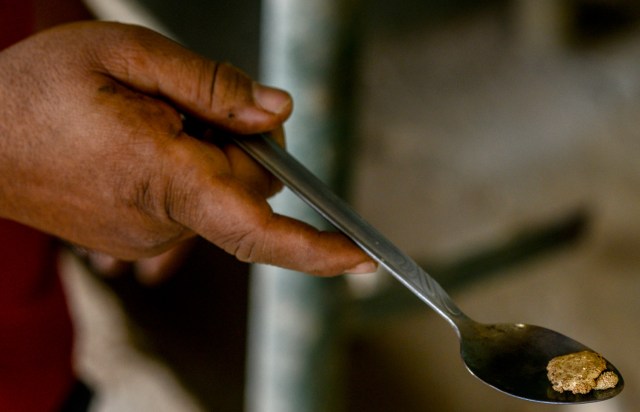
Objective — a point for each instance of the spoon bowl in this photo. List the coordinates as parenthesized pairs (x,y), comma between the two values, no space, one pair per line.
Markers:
(512,358)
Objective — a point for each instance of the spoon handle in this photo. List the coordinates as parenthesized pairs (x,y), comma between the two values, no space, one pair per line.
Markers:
(314,192)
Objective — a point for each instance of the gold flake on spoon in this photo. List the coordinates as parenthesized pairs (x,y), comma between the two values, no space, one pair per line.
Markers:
(580,373)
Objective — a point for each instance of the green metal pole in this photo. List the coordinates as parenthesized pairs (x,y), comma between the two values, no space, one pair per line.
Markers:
(296,328)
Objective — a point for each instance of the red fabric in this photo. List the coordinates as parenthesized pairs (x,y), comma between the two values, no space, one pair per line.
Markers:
(35,328)
(16,21)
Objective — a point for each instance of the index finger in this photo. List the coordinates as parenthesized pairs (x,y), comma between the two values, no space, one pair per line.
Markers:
(213,91)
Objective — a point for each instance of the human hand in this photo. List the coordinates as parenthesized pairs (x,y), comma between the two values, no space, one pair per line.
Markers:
(92,149)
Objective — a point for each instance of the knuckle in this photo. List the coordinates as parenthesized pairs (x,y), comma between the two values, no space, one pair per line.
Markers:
(244,245)
(226,90)
(247,242)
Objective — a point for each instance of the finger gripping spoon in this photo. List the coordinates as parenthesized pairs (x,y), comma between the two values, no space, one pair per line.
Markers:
(512,358)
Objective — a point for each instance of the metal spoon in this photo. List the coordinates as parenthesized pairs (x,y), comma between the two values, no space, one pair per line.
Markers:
(509,357)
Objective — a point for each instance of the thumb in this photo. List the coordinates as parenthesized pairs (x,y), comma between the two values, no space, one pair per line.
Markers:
(220,208)
(254,233)
(212,91)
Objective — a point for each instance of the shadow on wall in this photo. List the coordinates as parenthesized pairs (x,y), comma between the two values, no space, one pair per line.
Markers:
(223,30)
(195,323)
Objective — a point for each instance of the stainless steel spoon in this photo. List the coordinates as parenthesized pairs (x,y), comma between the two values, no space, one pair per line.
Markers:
(509,357)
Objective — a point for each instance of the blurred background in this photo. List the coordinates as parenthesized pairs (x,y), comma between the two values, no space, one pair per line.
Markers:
(496,142)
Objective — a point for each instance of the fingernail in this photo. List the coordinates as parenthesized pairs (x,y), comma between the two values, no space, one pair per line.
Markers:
(272,100)
(362,268)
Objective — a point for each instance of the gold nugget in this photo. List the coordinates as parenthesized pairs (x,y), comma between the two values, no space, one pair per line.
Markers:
(580,372)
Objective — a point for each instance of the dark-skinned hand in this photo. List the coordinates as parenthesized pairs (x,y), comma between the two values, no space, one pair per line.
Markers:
(93,150)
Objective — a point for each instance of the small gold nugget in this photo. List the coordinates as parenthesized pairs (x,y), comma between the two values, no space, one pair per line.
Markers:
(580,372)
